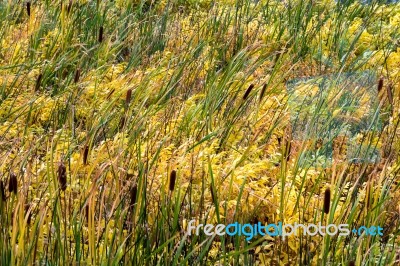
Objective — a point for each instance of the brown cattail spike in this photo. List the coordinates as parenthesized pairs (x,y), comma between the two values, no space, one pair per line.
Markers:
(172,180)
(390,94)
(264,88)
(38,82)
(85,154)
(121,123)
(101,31)
(27,207)
(128,97)
(13,183)
(2,191)
(380,85)
(133,195)
(28,8)
(69,6)
(77,75)
(62,176)
(352,263)
(213,195)
(327,200)
(249,89)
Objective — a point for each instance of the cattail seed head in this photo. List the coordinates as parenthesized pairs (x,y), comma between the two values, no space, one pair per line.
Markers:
(62,176)
(69,6)
(2,191)
(133,195)
(264,88)
(101,31)
(38,82)
(390,94)
(327,200)
(121,123)
(28,8)
(380,85)
(172,179)
(77,75)
(128,97)
(87,213)
(85,154)
(289,150)
(213,195)
(352,263)
(249,89)
(13,183)
(27,207)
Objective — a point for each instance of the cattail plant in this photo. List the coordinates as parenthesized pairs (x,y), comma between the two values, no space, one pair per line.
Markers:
(85,154)
(13,183)
(27,207)
(62,176)
(28,8)
(38,82)
(247,93)
(77,75)
(264,88)
(380,85)
(390,94)
(133,193)
(327,200)
(121,122)
(128,97)
(172,179)
(214,199)
(352,263)
(2,191)
(101,31)
(69,6)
